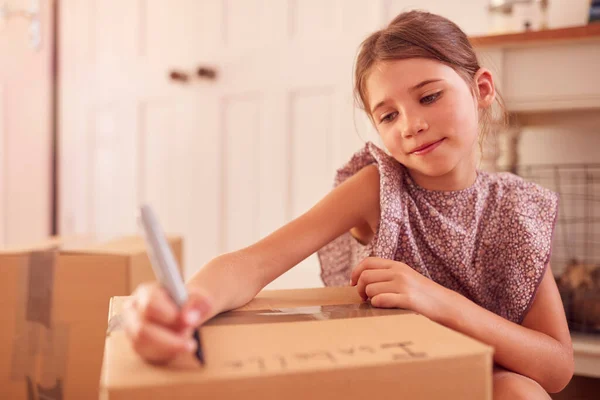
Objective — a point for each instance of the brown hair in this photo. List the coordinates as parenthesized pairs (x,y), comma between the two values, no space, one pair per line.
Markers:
(424,35)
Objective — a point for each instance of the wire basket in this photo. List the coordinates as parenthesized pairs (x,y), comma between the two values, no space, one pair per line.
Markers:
(576,244)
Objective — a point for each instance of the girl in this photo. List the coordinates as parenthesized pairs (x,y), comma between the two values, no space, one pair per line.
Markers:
(416,227)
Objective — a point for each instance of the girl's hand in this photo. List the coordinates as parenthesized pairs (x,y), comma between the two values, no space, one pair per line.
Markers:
(392,284)
(157,329)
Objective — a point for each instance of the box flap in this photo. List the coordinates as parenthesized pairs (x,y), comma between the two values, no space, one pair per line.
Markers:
(127,245)
(60,242)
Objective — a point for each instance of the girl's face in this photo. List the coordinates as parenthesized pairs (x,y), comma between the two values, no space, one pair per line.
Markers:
(427,117)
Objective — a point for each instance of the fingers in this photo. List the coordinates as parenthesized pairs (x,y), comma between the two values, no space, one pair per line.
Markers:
(374,289)
(391,300)
(157,328)
(153,342)
(369,277)
(154,304)
(369,263)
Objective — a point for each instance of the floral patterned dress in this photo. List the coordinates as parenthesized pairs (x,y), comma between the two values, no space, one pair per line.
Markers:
(490,242)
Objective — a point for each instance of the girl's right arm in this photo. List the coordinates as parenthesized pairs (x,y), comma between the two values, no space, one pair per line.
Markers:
(159,331)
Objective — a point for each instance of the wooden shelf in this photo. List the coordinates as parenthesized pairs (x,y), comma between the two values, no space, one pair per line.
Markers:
(548,36)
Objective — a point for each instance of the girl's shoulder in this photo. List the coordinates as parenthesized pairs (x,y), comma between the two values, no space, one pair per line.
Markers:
(515,195)
(368,155)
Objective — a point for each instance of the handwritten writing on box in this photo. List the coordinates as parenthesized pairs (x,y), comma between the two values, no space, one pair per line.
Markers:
(395,350)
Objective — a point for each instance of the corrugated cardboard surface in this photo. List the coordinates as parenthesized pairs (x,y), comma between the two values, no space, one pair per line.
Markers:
(54,314)
(329,355)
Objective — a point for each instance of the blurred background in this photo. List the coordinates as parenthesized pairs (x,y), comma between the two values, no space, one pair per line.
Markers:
(230,117)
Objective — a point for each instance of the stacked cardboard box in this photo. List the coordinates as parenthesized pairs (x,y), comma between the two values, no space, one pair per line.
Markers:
(54,304)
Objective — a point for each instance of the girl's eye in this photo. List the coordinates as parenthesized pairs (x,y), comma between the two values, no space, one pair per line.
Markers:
(431,98)
(388,117)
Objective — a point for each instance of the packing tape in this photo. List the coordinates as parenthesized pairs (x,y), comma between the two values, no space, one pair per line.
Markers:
(40,284)
(297,314)
(39,351)
(278,315)
(114,324)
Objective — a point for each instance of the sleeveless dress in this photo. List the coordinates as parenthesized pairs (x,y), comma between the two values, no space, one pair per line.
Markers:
(490,242)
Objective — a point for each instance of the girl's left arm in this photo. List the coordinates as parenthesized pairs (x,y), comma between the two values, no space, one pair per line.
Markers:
(540,348)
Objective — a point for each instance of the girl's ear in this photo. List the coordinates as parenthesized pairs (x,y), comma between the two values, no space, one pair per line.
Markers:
(485,88)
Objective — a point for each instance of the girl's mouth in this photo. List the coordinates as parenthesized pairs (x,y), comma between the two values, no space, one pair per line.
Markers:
(427,148)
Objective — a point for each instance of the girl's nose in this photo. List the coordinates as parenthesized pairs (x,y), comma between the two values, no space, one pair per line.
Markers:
(414,126)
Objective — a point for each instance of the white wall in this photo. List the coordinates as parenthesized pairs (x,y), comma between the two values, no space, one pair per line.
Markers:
(561,13)
(25,129)
(560,138)
(473,17)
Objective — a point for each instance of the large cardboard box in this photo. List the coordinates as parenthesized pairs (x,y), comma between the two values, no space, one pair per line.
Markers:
(307,344)
(54,303)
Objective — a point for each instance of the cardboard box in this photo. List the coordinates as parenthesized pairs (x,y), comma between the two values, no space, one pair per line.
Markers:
(54,303)
(308,344)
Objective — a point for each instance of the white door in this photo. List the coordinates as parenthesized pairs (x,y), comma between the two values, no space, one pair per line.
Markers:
(224,161)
